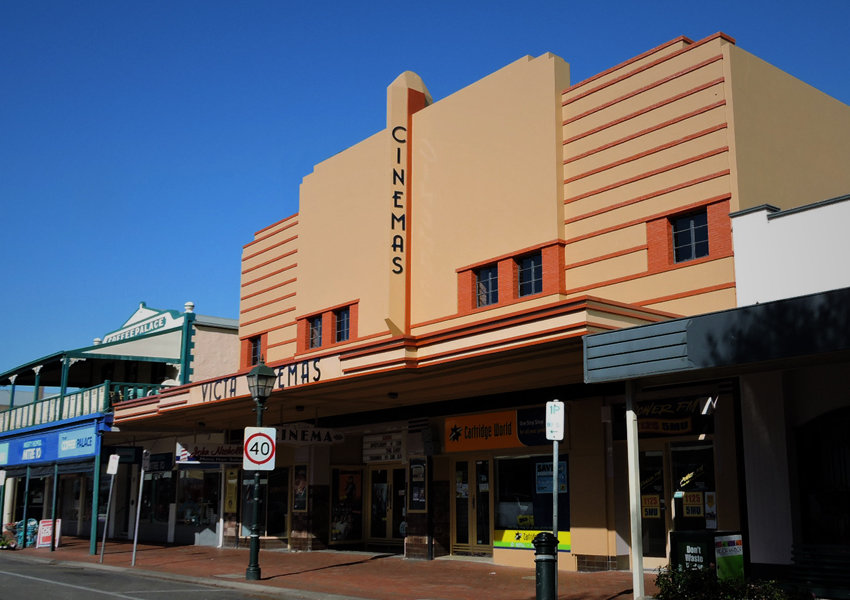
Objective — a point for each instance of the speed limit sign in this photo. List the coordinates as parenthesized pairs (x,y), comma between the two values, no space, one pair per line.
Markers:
(258,450)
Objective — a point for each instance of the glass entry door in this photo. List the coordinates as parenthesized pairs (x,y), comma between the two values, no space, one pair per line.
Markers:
(387,488)
(471,510)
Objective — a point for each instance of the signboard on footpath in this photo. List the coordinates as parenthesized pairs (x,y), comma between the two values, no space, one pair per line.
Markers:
(45,533)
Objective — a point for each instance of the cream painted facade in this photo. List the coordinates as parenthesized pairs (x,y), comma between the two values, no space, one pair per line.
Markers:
(393,233)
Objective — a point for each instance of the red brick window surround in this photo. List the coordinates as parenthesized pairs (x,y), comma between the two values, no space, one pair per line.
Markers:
(527,274)
(660,242)
(251,349)
(331,327)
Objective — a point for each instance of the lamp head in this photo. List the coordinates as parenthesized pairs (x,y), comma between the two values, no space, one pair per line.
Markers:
(261,380)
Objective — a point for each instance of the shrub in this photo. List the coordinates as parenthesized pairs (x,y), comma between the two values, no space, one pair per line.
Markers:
(702,584)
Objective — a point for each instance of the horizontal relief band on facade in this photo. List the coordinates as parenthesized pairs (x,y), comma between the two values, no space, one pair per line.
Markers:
(268,289)
(268,227)
(645,88)
(271,260)
(658,171)
(647,196)
(690,293)
(642,274)
(596,259)
(270,274)
(271,234)
(646,109)
(645,153)
(283,343)
(267,248)
(691,45)
(266,317)
(625,64)
(658,215)
(248,309)
(646,131)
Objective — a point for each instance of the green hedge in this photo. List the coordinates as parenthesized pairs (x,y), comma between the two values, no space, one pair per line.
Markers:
(702,584)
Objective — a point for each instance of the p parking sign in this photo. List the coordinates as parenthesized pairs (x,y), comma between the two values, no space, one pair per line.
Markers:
(259,449)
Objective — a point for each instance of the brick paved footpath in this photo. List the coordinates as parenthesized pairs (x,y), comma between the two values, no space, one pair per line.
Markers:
(322,574)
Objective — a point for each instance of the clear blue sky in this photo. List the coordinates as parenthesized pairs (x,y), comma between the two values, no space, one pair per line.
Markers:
(142,143)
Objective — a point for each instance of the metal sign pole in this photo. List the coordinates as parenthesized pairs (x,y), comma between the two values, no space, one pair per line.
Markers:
(106,521)
(111,469)
(555,432)
(555,474)
(146,458)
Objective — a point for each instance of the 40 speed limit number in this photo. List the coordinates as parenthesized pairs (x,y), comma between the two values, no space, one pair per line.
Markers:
(259,448)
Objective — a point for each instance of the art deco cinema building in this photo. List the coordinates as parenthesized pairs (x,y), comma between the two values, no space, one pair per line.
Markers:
(431,293)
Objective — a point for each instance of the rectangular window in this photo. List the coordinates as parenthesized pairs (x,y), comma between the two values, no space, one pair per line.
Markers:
(530,274)
(690,236)
(342,324)
(315,331)
(487,285)
(524,493)
(256,349)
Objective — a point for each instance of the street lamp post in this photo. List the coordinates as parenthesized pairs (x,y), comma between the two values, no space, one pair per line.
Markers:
(260,382)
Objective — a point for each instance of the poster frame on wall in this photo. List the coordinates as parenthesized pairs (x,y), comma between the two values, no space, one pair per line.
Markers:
(300,489)
(346,504)
(417,477)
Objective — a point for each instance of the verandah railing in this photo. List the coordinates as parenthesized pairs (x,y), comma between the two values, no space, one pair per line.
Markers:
(73,404)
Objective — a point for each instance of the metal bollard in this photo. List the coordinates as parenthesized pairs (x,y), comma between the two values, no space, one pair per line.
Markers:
(546,564)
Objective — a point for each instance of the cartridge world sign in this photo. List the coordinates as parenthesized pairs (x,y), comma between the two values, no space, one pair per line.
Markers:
(288,376)
(505,429)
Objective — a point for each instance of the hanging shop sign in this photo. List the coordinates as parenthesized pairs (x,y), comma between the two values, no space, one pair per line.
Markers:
(383,447)
(193,454)
(80,442)
(505,429)
(304,434)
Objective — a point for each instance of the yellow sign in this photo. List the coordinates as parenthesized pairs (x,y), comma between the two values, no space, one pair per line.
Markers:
(482,432)
(650,506)
(522,538)
(693,504)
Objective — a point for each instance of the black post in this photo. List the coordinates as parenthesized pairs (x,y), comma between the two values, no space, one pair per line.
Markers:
(252,573)
(546,564)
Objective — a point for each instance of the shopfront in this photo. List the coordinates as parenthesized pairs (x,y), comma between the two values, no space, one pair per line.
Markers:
(678,489)
(502,483)
(53,474)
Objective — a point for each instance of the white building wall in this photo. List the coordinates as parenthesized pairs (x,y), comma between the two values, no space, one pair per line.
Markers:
(783,254)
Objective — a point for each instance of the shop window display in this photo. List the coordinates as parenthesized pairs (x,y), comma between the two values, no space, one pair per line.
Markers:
(524,497)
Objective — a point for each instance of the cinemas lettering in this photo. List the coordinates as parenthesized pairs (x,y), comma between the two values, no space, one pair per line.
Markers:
(398,215)
(298,373)
(291,375)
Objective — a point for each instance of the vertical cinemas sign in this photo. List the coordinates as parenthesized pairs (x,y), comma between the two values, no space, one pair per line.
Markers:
(398,223)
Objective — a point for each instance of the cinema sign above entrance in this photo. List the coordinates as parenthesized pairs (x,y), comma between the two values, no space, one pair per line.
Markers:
(288,376)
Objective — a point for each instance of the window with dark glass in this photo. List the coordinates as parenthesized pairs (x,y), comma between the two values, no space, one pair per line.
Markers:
(341,317)
(690,236)
(256,349)
(487,285)
(530,274)
(315,331)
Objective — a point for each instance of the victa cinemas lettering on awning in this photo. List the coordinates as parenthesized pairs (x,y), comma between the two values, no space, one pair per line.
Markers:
(288,376)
